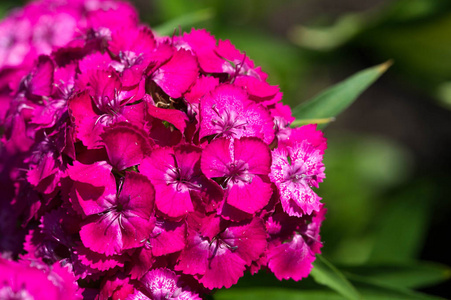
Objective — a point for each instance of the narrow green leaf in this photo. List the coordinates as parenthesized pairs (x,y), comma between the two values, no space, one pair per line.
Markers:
(184,21)
(301,122)
(412,275)
(275,294)
(336,99)
(325,273)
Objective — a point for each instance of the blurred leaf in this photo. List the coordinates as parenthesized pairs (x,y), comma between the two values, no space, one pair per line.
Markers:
(401,41)
(443,94)
(328,38)
(311,121)
(402,227)
(336,99)
(379,291)
(185,21)
(275,294)
(409,10)
(411,275)
(325,273)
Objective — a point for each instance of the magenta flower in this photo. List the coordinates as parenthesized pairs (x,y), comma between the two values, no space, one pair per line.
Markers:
(178,180)
(295,170)
(120,221)
(160,284)
(228,112)
(35,280)
(144,166)
(218,254)
(241,165)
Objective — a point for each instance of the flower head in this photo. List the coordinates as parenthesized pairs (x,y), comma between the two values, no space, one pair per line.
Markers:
(155,167)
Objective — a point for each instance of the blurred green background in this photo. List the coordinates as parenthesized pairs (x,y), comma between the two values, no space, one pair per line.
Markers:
(387,165)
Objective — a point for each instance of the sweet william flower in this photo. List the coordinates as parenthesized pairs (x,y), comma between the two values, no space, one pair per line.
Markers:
(295,170)
(121,220)
(154,167)
(241,166)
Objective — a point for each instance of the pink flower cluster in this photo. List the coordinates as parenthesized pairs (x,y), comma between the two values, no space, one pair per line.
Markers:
(144,167)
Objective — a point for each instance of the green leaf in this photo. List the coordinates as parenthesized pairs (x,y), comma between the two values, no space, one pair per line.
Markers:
(184,21)
(325,273)
(336,99)
(379,291)
(411,275)
(402,226)
(311,121)
(275,294)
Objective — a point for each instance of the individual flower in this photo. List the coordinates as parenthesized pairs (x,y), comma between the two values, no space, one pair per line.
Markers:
(295,170)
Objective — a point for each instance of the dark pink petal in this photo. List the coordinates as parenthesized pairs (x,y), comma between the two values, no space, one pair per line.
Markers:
(207,226)
(228,112)
(203,44)
(92,185)
(142,261)
(125,221)
(45,175)
(167,237)
(103,87)
(215,158)
(102,234)
(310,134)
(172,202)
(99,261)
(164,136)
(224,270)
(97,174)
(176,76)
(125,144)
(137,295)
(292,260)
(64,81)
(41,80)
(255,153)
(201,87)
(96,61)
(139,195)
(116,287)
(249,197)
(129,39)
(87,127)
(248,239)
(257,89)
(136,114)
(176,174)
(46,115)
(175,117)
(194,258)
(312,232)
